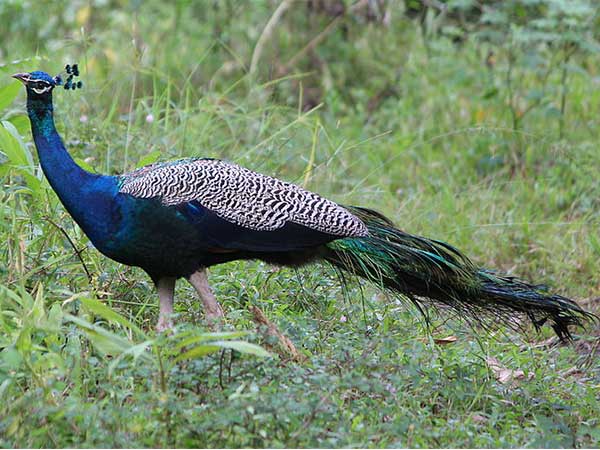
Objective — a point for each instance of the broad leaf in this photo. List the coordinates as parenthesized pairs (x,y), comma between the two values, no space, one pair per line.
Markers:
(100,309)
(8,93)
(136,351)
(209,337)
(105,341)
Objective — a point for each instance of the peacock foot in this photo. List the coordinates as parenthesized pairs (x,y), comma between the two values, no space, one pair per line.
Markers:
(164,324)
(214,319)
(166,291)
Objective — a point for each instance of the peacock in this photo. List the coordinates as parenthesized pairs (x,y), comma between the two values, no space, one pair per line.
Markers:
(176,219)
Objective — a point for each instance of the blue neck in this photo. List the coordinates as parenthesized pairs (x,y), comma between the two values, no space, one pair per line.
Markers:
(64,175)
(87,196)
(67,179)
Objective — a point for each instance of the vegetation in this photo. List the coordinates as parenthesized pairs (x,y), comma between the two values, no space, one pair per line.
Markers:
(472,122)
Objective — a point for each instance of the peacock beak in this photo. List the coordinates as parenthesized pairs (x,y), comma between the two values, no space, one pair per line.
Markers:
(22,77)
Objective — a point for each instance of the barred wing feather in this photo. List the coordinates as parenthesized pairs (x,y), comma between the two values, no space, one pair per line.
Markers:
(241,196)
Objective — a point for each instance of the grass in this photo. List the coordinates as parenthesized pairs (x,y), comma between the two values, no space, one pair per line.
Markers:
(439,158)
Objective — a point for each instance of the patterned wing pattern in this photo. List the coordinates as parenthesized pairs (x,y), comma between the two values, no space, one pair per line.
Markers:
(241,196)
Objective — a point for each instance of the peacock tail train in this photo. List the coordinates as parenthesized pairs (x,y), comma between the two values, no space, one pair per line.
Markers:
(431,273)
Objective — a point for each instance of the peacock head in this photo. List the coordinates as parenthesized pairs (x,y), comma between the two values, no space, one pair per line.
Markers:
(39,84)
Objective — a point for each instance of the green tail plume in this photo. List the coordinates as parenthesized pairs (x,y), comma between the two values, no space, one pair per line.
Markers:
(432,273)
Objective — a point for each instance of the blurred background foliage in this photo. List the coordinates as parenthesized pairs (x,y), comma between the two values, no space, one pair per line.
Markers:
(313,43)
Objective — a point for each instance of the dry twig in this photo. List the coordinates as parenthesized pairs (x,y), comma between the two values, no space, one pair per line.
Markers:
(286,347)
(266,34)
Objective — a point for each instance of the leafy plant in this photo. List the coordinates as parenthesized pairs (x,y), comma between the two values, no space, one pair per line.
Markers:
(534,42)
(161,352)
(36,344)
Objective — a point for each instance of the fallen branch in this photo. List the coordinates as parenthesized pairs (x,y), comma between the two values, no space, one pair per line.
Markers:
(286,347)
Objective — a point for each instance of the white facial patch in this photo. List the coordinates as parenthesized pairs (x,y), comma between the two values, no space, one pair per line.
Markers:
(40,86)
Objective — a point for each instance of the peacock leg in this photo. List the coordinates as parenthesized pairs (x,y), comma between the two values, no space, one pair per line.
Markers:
(166,291)
(212,310)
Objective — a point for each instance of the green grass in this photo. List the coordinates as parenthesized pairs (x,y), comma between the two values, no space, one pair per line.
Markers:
(440,158)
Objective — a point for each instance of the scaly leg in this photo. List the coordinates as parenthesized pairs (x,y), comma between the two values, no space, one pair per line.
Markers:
(212,310)
(166,291)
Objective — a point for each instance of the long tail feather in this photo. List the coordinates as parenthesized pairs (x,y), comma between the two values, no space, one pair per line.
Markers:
(433,273)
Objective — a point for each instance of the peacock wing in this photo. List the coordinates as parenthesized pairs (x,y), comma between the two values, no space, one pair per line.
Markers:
(248,207)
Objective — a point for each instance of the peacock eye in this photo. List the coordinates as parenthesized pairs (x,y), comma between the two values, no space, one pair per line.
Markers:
(40,86)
